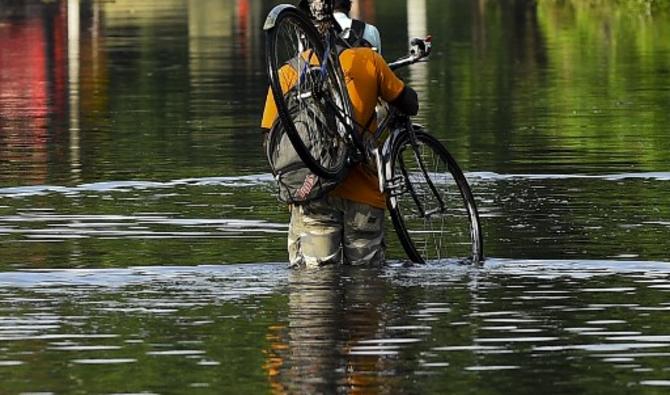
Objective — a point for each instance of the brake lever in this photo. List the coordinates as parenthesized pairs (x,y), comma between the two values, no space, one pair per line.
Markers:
(420,48)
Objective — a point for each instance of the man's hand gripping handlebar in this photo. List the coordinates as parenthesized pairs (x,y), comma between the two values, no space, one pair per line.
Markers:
(419,49)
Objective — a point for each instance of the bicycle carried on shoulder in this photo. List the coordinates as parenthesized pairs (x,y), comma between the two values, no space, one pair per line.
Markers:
(430,202)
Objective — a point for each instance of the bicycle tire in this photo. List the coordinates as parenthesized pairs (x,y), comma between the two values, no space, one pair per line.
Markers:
(291,38)
(453,232)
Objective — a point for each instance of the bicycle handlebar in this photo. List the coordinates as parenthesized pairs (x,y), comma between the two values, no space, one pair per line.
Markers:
(419,49)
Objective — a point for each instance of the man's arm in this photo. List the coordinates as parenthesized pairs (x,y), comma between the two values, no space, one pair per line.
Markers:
(407,101)
(393,90)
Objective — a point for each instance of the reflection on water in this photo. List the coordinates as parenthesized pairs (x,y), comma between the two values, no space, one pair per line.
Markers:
(87,86)
(133,187)
(509,326)
(93,91)
(236,219)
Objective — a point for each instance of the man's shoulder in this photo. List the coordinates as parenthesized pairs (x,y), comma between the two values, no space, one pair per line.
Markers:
(363,60)
(372,28)
(365,54)
(361,51)
(371,34)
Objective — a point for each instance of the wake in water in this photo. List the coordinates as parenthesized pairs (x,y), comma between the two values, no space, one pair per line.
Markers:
(260,278)
(255,180)
(121,186)
(490,176)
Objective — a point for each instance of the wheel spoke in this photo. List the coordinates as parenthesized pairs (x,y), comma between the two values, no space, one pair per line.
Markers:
(294,59)
(431,209)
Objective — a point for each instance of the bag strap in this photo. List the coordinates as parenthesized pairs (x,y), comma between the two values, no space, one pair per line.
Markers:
(357,28)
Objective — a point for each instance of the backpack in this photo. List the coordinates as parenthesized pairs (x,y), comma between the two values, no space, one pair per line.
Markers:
(297,183)
(356,32)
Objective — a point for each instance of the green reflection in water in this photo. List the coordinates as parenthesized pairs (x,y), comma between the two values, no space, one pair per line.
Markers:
(549,86)
(168,90)
(173,90)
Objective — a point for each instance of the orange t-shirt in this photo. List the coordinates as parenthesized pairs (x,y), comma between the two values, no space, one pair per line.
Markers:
(368,77)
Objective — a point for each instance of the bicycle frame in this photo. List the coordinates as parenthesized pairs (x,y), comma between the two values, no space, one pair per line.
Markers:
(331,55)
(400,124)
(361,152)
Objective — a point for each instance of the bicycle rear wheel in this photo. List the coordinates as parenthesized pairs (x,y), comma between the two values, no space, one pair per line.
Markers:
(309,91)
(431,204)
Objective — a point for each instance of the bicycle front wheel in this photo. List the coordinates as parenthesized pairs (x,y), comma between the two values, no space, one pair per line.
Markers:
(431,204)
(309,91)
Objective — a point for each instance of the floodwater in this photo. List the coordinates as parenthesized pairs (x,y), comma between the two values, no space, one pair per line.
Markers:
(142,249)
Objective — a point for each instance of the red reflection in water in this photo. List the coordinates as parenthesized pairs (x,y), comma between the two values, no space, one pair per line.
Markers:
(58,57)
(23,73)
(242,26)
(32,86)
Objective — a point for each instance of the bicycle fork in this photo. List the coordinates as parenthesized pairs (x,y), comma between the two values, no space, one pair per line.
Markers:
(400,184)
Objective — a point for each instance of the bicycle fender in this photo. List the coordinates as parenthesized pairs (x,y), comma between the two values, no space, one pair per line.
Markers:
(271,19)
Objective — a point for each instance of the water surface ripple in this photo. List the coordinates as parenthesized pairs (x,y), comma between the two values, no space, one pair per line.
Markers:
(238,219)
(142,248)
(375,327)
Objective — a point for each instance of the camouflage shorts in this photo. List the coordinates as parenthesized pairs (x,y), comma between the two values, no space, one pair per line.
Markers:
(336,230)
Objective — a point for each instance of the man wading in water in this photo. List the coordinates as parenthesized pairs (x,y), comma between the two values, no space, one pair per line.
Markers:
(346,225)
